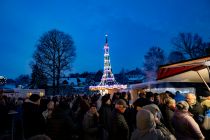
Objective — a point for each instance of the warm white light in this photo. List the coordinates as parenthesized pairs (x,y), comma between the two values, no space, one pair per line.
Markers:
(41,94)
(108,81)
(207,63)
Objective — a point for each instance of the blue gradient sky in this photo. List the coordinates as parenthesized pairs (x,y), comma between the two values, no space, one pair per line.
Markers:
(133,27)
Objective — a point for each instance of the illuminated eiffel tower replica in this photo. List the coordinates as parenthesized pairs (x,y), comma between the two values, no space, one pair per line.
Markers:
(108,81)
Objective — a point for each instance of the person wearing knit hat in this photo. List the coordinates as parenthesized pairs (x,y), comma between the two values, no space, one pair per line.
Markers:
(34,98)
(122,103)
(90,123)
(146,130)
(119,126)
(105,98)
(184,125)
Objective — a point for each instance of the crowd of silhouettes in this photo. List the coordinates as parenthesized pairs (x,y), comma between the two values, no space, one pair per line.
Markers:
(155,116)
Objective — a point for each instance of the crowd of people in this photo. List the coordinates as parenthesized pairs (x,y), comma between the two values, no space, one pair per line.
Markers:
(151,116)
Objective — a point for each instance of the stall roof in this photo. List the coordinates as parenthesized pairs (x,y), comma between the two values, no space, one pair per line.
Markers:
(186,71)
(162,84)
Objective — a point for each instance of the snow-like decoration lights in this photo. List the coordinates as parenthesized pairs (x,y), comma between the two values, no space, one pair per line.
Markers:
(2,80)
(108,81)
(107,87)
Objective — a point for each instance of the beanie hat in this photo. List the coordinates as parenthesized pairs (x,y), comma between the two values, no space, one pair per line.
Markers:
(34,97)
(121,102)
(105,98)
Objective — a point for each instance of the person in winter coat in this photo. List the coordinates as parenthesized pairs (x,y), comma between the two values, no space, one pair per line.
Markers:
(33,121)
(154,109)
(195,108)
(105,113)
(48,112)
(119,129)
(146,130)
(184,125)
(60,125)
(90,124)
(169,113)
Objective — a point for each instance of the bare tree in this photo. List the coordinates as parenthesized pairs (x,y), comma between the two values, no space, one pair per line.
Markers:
(54,54)
(175,56)
(207,47)
(190,45)
(152,60)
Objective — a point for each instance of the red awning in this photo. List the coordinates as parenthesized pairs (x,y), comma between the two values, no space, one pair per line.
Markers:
(167,72)
(186,71)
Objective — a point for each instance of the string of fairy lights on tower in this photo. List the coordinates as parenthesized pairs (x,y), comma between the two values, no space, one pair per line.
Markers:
(107,81)
(108,76)
(3,80)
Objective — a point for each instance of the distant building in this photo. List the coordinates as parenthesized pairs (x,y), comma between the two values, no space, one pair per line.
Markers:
(73,81)
(134,76)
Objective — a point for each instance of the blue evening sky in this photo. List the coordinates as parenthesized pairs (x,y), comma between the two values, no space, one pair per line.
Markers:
(133,27)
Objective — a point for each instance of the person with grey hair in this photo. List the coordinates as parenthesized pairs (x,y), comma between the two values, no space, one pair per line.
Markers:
(195,108)
(186,128)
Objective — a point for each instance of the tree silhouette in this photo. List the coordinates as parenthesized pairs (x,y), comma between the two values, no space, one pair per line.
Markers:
(175,56)
(190,45)
(54,54)
(38,78)
(152,60)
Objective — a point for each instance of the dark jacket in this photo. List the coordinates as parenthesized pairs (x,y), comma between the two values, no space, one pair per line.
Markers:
(60,126)
(119,129)
(33,121)
(105,116)
(197,112)
(90,126)
(168,118)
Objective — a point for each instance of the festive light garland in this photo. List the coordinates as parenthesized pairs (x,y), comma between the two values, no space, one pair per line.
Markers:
(107,81)
(2,80)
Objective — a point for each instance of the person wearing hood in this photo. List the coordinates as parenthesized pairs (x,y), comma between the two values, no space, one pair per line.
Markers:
(154,109)
(146,130)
